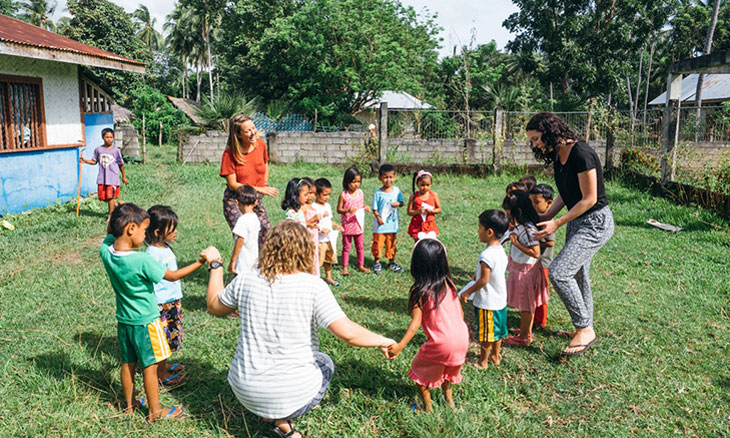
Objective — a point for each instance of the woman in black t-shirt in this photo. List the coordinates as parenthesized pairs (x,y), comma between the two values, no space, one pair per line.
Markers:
(579,179)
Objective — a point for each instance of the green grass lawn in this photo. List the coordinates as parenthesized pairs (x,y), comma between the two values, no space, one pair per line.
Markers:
(658,369)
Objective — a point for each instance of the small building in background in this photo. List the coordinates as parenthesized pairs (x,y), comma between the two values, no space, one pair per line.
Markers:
(715,90)
(402,106)
(50,110)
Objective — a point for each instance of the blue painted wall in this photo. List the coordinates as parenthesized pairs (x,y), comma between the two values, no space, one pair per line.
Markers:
(40,178)
(95,123)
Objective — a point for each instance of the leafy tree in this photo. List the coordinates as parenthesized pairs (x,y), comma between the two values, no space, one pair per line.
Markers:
(38,13)
(156,109)
(589,46)
(8,7)
(340,53)
(103,24)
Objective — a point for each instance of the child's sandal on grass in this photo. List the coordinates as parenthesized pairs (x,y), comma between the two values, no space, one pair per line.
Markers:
(177,368)
(175,413)
(291,434)
(517,341)
(172,382)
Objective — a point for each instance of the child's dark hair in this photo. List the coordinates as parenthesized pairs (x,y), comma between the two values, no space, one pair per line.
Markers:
(430,271)
(497,220)
(520,207)
(162,221)
(384,168)
(321,184)
(246,195)
(421,174)
(104,132)
(291,195)
(529,181)
(349,176)
(124,215)
(515,185)
(543,190)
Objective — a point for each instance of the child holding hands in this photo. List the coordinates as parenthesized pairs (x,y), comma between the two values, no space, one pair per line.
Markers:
(386,201)
(351,206)
(433,304)
(423,206)
(246,231)
(327,238)
(488,290)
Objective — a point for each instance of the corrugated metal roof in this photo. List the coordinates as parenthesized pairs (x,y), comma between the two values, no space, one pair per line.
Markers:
(715,88)
(398,100)
(19,32)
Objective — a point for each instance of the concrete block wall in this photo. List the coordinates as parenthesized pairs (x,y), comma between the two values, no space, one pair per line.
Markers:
(126,136)
(207,147)
(520,153)
(320,147)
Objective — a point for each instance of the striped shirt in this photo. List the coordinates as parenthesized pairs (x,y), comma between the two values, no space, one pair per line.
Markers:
(273,373)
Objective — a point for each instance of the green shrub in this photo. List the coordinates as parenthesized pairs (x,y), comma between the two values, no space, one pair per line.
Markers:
(639,161)
(156,109)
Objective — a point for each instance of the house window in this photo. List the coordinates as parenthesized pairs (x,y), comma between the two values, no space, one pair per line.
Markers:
(22,123)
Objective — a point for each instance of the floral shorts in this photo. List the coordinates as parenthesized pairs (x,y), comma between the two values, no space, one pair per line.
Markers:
(172,323)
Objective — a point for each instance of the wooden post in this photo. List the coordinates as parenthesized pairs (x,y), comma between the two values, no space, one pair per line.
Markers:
(610,140)
(179,146)
(670,136)
(497,148)
(144,140)
(159,140)
(316,113)
(383,133)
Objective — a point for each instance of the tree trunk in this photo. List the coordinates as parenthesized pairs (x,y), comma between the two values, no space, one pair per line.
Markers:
(197,81)
(638,84)
(707,51)
(206,34)
(185,77)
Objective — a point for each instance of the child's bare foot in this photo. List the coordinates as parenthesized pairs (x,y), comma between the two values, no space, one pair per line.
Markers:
(364,270)
(481,364)
(495,360)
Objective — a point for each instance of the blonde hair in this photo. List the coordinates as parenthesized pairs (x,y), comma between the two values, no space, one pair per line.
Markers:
(234,129)
(288,249)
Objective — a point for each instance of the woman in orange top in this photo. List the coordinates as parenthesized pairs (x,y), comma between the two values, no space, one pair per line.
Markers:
(245,161)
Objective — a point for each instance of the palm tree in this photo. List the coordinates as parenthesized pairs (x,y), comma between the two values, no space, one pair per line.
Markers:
(183,35)
(38,13)
(148,34)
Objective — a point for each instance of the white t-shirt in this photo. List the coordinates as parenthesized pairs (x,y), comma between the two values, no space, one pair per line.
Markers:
(493,296)
(525,235)
(325,222)
(273,373)
(247,227)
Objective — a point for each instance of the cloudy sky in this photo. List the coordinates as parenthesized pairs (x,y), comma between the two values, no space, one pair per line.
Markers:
(457,17)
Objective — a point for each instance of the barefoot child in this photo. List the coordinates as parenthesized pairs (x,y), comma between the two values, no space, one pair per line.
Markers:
(111,165)
(386,201)
(327,250)
(246,232)
(488,290)
(132,275)
(161,232)
(423,206)
(351,206)
(433,304)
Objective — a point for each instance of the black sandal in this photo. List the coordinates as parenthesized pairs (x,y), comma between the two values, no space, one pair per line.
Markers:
(280,433)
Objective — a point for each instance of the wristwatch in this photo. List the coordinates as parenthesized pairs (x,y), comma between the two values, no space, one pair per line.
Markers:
(215,264)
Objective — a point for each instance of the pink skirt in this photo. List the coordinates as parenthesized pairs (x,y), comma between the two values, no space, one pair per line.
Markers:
(526,286)
(433,375)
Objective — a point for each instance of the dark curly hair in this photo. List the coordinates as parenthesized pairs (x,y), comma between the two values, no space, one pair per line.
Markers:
(553,129)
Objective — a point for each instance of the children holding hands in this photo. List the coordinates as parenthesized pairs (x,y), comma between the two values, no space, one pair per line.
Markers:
(386,201)
(488,290)
(423,206)
(245,232)
(327,228)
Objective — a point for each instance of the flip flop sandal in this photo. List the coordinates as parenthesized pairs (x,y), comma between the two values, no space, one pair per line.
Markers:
(177,366)
(141,401)
(333,283)
(586,347)
(280,433)
(415,407)
(172,381)
(517,341)
(169,415)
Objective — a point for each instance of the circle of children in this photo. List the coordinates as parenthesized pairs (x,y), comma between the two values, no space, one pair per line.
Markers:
(148,291)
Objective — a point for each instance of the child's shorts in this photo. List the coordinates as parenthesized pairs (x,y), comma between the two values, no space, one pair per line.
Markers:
(145,344)
(107,193)
(432,374)
(327,254)
(491,324)
(172,323)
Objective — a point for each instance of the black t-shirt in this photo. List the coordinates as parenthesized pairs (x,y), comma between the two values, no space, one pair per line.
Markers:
(582,158)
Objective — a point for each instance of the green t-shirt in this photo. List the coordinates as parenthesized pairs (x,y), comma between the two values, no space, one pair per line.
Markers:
(133,276)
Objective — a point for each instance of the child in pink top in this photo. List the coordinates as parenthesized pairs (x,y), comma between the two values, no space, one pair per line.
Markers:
(350,205)
(433,304)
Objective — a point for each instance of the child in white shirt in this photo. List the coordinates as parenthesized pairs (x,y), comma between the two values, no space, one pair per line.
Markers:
(246,246)
(327,233)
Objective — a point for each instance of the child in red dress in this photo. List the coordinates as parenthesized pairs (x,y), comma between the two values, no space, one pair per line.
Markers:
(423,206)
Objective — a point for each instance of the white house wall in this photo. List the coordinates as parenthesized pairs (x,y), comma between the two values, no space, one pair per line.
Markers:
(60,95)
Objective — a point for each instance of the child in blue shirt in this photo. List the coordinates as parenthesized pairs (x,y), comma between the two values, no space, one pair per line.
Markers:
(386,202)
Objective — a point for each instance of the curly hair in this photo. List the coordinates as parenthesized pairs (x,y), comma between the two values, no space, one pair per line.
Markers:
(288,249)
(553,129)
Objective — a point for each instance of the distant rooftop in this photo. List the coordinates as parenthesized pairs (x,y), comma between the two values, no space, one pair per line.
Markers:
(716,88)
(19,38)
(398,100)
